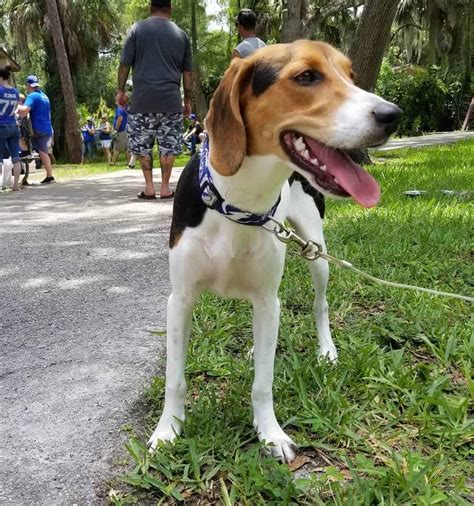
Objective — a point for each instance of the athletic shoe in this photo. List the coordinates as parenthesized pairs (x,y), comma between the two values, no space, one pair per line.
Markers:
(48,180)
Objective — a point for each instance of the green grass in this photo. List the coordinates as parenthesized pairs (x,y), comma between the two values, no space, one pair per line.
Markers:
(391,422)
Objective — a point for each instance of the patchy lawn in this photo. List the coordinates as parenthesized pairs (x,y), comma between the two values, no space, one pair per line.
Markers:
(391,422)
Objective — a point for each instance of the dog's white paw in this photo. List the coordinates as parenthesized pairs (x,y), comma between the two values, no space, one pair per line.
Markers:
(166,431)
(328,352)
(278,444)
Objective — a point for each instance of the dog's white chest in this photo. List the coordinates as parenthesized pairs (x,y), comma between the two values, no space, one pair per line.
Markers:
(233,260)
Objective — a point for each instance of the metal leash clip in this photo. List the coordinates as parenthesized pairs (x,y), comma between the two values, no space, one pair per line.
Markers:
(310,250)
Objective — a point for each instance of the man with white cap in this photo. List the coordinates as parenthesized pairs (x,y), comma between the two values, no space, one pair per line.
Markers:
(38,106)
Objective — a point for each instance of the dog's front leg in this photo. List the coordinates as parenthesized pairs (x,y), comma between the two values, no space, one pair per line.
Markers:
(265,330)
(179,316)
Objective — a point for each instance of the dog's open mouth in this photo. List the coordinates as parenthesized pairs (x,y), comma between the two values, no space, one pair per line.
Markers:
(331,169)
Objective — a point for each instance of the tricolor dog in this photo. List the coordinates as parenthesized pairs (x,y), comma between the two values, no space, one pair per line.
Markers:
(278,126)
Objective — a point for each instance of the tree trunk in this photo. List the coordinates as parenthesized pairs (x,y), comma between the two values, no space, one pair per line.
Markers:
(371,40)
(200,104)
(435,21)
(459,53)
(73,139)
(293,28)
(367,52)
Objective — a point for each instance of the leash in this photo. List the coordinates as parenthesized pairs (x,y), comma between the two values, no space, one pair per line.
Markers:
(311,251)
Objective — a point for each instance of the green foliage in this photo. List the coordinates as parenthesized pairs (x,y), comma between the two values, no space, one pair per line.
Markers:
(432,99)
(390,422)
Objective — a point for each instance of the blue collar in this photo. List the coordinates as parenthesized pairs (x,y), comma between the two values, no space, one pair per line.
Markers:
(213,199)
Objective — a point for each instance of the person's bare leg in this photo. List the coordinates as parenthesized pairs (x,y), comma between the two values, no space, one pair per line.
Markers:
(107,155)
(115,156)
(147,169)
(46,163)
(16,176)
(166,163)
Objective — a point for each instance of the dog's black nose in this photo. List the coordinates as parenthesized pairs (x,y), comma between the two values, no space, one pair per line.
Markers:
(388,116)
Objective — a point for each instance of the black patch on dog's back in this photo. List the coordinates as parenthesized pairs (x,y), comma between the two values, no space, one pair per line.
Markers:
(317,197)
(188,207)
(264,75)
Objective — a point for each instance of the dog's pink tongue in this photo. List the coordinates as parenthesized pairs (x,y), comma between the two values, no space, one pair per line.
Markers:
(357,182)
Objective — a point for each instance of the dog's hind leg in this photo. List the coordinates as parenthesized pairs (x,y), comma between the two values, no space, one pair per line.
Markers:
(179,317)
(306,216)
(265,329)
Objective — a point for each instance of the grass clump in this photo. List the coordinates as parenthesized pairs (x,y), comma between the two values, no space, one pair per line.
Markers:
(391,422)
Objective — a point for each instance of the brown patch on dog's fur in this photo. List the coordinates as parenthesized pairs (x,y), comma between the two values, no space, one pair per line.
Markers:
(224,121)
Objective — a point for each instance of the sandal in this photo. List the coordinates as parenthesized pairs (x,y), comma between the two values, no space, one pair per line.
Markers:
(143,196)
(170,196)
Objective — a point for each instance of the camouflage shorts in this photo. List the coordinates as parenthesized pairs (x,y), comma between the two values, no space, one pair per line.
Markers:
(166,128)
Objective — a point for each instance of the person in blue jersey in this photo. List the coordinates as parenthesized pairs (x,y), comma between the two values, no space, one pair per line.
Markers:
(38,107)
(88,139)
(121,136)
(9,131)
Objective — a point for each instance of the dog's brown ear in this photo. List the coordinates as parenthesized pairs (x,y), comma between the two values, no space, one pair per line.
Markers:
(224,122)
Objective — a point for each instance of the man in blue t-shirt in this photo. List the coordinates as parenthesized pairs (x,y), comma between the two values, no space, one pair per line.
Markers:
(37,105)
(121,136)
(9,131)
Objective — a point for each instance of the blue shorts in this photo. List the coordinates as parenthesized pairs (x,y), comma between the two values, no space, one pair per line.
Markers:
(9,142)
(39,141)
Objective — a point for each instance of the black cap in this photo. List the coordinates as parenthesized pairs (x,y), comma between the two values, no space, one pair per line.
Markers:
(247,18)
(160,4)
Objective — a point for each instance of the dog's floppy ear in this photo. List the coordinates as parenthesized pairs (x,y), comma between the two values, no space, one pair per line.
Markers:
(224,122)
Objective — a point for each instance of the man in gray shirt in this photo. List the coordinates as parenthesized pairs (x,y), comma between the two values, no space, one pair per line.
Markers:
(247,24)
(159,53)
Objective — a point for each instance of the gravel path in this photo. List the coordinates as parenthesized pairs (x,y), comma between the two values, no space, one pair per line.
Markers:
(84,278)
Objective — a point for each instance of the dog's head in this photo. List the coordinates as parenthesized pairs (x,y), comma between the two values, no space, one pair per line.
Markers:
(298,102)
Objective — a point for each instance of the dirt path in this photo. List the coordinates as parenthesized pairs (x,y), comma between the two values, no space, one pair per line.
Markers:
(83,279)
(427,140)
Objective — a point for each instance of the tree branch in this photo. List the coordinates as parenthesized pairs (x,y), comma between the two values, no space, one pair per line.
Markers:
(334,7)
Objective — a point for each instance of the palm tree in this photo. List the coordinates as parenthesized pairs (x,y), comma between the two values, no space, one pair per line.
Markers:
(86,26)
(73,141)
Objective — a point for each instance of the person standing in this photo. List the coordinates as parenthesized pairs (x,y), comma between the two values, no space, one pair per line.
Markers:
(105,137)
(193,133)
(247,25)
(121,137)
(38,107)
(26,132)
(9,131)
(88,139)
(159,53)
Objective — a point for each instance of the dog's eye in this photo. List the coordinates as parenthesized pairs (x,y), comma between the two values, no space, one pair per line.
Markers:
(308,77)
